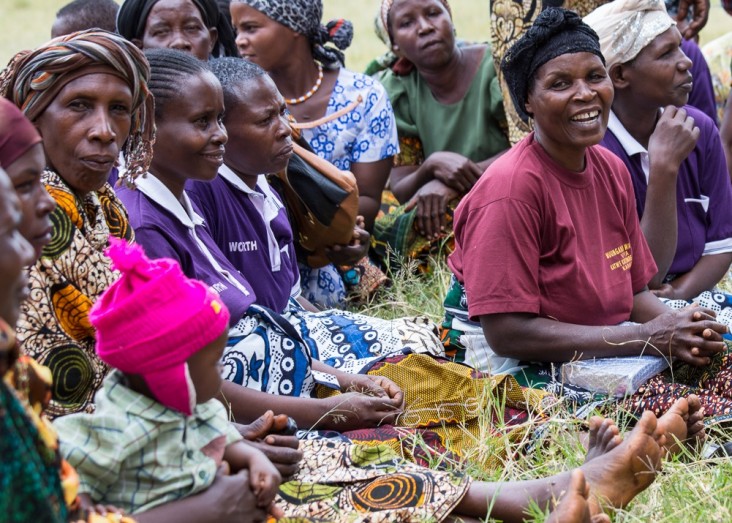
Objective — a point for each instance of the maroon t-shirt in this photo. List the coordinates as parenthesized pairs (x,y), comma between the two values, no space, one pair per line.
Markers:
(535,237)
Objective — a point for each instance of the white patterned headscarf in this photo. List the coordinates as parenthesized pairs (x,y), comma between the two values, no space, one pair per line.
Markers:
(626,27)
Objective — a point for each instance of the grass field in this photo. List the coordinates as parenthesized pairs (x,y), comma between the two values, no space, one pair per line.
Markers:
(686,492)
(27,23)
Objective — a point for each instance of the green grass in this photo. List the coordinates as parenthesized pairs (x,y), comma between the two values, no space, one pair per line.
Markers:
(683,493)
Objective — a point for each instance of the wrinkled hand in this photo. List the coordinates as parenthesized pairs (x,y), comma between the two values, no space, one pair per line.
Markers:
(699,20)
(673,138)
(454,170)
(691,334)
(376,386)
(355,410)
(355,250)
(431,201)
(264,478)
(280,449)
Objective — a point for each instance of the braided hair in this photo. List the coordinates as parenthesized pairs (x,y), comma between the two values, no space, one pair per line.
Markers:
(168,69)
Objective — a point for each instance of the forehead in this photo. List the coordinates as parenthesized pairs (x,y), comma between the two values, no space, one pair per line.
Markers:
(670,37)
(202,93)
(96,85)
(169,10)
(570,64)
(402,7)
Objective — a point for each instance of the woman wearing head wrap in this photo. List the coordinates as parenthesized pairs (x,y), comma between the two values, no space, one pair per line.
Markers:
(87,96)
(450,118)
(346,117)
(194,26)
(673,152)
(548,244)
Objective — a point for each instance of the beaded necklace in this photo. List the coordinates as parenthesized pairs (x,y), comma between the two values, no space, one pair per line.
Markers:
(311,92)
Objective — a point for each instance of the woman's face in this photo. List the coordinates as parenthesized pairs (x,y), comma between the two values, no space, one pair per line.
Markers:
(84,129)
(570,101)
(178,24)
(422,32)
(36,203)
(260,39)
(15,254)
(259,134)
(660,75)
(190,132)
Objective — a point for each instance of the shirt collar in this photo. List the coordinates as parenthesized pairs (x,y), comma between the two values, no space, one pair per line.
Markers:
(629,144)
(229,175)
(159,193)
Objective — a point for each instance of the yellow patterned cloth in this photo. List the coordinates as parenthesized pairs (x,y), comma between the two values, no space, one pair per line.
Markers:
(72,272)
(446,406)
(339,481)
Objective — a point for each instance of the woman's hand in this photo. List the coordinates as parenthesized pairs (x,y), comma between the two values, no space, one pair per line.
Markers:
(691,335)
(282,450)
(673,139)
(454,170)
(356,410)
(376,386)
(431,201)
(355,250)
(666,291)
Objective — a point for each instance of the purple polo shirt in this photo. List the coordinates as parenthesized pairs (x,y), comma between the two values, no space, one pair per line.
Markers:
(167,228)
(702,94)
(252,230)
(703,190)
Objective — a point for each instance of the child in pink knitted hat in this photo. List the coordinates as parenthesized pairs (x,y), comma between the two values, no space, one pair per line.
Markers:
(158,433)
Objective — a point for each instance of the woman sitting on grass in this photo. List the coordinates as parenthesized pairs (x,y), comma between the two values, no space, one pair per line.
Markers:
(450,118)
(548,244)
(673,152)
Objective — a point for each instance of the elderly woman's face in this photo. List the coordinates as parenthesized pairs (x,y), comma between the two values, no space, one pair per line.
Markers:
(260,39)
(259,132)
(15,254)
(570,100)
(36,203)
(178,24)
(422,31)
(84,128)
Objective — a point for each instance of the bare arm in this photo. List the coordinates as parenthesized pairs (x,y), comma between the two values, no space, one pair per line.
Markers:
(707,272)
(264,479)
(725,131)
(671,142)
(371,179)
(673,333)
(452,169)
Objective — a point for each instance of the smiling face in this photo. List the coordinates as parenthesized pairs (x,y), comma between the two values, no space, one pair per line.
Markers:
(190,133)
(660,74)
(205,369)
(259,134)
(570,100)
(422,32)
(178,24)
(260,39)
(84,128)
(36,203)
(15,254)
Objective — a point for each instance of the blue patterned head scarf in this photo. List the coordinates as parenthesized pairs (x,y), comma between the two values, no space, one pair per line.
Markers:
(304,17)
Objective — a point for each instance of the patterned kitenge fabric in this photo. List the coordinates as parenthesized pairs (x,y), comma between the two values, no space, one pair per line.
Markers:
(72,272)
(340,481)
(713,383)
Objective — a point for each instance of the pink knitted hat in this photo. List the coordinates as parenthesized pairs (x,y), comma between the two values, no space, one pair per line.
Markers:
(151,320)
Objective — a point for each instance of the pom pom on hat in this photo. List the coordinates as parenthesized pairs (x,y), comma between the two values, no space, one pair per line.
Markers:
(152,319)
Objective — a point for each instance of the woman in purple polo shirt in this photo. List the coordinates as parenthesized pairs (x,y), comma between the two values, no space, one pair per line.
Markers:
(673,152)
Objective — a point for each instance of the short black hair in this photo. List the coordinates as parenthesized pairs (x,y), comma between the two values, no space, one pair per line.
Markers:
(87,14)
(234,73)
(168,69)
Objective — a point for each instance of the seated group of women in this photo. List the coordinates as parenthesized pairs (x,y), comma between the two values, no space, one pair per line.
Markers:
(552,215)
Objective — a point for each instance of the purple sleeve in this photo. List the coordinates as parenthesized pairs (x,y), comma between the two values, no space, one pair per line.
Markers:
(715,184)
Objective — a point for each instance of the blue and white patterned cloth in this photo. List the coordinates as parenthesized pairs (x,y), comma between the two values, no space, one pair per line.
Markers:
(368,133)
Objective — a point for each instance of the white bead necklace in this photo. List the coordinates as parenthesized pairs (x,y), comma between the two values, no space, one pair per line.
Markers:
(311,92)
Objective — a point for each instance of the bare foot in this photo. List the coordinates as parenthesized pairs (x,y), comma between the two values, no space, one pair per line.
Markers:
(604,436)
(617,476)
(574,506)
(683,424)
